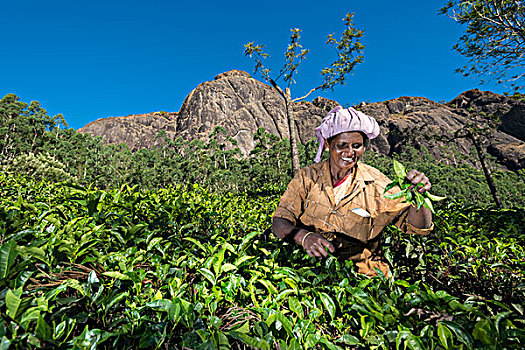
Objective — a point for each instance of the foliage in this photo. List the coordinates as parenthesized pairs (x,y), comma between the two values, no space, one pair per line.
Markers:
(41,167)
(409,192)
(218,165)
(494,40)
(182,267)
(22,126)
(466,183)
(468,241)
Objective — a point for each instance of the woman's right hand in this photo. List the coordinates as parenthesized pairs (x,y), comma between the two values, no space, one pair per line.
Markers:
(316,245)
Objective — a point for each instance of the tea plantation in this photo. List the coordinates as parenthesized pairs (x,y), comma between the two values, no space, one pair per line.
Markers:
(184,268)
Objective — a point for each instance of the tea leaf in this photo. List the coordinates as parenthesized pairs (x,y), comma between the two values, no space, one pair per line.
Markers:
(396,195)
(413,196)
(434,197)
(329,344)
(208,274)
(328,304)
(228,267)
(391,185)
(4,343)
(400,171)
(460,332)
(428,204)
(13,302)
(482,332)
(287,324)
(117,275)
(445,336)
(348,340)
(296,307)
(43,330)
(312,340)
(8,254)
(254,342)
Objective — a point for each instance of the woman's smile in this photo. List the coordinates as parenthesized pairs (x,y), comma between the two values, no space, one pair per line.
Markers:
(348,160)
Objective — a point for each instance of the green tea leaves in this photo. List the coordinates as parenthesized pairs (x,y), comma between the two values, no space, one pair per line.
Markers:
(117,275)
(397,195)
(411,195)
(185,268)
(434,198)
(445,336)
(13,302)
(399,170)
(8,254)
(208,275)
(459,331)
(296,307)
(328,304)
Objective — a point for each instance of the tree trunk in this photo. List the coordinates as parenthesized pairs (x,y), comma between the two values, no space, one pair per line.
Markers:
(292,130)
(486,170)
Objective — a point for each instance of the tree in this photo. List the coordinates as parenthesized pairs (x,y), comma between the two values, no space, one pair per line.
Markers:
(22,126)
(478,131)
(494,41)
(42,166)
(10,109)
(349,54)
(267,159)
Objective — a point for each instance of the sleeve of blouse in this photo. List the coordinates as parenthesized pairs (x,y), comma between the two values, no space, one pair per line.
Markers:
(291,205)
(404,225)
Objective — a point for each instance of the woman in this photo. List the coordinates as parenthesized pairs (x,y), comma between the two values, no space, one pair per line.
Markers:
(339,205)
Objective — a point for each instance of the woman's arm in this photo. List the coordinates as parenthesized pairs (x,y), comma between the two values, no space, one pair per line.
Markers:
(313,243)
(421,218)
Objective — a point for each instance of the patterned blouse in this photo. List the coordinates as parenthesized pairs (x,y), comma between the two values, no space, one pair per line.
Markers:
(354,221)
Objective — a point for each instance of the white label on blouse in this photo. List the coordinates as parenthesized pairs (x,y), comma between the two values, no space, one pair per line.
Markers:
(361,212)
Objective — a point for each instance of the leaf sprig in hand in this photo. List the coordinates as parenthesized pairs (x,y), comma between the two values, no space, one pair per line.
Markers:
(412,195)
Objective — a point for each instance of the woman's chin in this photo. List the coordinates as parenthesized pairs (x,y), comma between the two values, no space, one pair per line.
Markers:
(343,164)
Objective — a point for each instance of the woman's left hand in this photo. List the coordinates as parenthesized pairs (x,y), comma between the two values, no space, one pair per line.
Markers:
(415,177)
(421,218)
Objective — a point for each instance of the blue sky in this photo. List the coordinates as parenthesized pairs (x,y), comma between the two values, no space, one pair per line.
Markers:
(95,59)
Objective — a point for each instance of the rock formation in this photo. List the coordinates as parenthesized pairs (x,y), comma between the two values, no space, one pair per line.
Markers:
(137,131)
(233,100)
(417,121)
(241,104)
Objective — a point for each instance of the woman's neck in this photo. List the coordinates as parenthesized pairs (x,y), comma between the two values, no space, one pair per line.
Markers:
(338,175)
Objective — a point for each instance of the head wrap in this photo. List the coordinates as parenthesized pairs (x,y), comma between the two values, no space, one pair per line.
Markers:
(339,120)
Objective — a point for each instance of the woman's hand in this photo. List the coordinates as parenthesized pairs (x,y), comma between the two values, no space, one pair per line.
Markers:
(316,245)
(415,177)
(421,218)
(313,243)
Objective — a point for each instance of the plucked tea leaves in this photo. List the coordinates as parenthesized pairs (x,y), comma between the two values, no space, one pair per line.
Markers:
(411,195)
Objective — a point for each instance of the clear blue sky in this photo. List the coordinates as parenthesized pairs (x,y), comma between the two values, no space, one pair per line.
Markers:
(95,59)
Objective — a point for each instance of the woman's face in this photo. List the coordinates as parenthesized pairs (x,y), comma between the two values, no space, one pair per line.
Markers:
(345,150)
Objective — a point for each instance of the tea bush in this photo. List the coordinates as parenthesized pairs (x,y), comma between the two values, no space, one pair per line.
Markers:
(182,267)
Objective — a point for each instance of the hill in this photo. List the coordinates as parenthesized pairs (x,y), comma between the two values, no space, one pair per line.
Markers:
(241,104)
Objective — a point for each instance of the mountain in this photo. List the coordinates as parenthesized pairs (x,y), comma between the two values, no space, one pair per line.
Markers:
(417,121)
(241,104)
(233,100)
